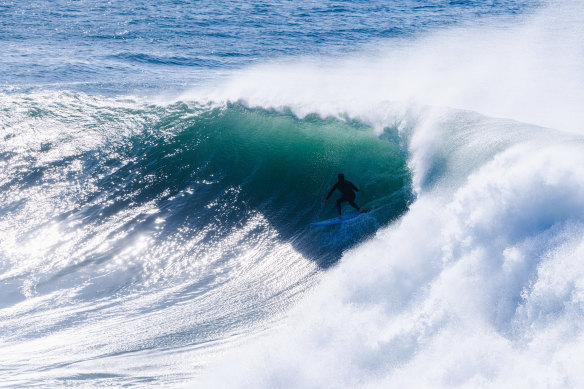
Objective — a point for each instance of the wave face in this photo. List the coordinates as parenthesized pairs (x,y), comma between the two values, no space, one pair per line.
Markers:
(115,211)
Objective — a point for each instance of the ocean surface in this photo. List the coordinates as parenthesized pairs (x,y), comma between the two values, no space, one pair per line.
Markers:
(161,163)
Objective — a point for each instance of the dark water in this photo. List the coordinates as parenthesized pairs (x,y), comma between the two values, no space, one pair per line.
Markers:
(136,46)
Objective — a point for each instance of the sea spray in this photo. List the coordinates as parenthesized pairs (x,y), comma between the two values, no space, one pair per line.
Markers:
(479,288)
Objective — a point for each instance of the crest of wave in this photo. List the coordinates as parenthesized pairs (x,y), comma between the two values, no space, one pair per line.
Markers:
(528,69)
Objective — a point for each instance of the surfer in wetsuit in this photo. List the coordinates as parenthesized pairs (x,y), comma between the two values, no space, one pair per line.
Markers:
(347,193)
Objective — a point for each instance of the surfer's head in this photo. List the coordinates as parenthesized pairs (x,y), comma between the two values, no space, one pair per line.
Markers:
(341,177)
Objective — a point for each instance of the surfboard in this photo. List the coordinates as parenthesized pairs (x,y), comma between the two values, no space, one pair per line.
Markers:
(336,220)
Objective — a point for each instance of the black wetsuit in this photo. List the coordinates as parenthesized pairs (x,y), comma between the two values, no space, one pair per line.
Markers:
(346,188)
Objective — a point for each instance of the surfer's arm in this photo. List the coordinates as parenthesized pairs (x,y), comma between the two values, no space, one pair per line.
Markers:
(330,193)
(354,187)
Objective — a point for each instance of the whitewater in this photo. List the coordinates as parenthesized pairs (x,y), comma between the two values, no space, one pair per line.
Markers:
(162,238)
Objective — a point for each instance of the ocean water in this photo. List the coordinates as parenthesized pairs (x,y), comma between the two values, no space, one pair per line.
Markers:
(161,163)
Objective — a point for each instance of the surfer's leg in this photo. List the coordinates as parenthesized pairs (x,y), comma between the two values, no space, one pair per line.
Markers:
(339,201)
(352,203)
(351,200)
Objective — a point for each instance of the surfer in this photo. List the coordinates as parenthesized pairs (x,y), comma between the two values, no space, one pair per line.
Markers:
(347,193)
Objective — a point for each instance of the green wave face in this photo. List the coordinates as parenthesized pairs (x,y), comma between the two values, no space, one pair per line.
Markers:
(190,177)
(237,162)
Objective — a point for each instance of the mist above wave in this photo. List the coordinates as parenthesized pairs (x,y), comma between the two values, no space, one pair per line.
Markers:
(526,69)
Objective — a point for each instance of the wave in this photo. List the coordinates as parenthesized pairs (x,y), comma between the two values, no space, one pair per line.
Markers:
(115,210)
(230,161)
(172,239)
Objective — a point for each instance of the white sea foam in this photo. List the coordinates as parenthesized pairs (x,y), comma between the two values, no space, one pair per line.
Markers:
(481,283)
(483,289)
